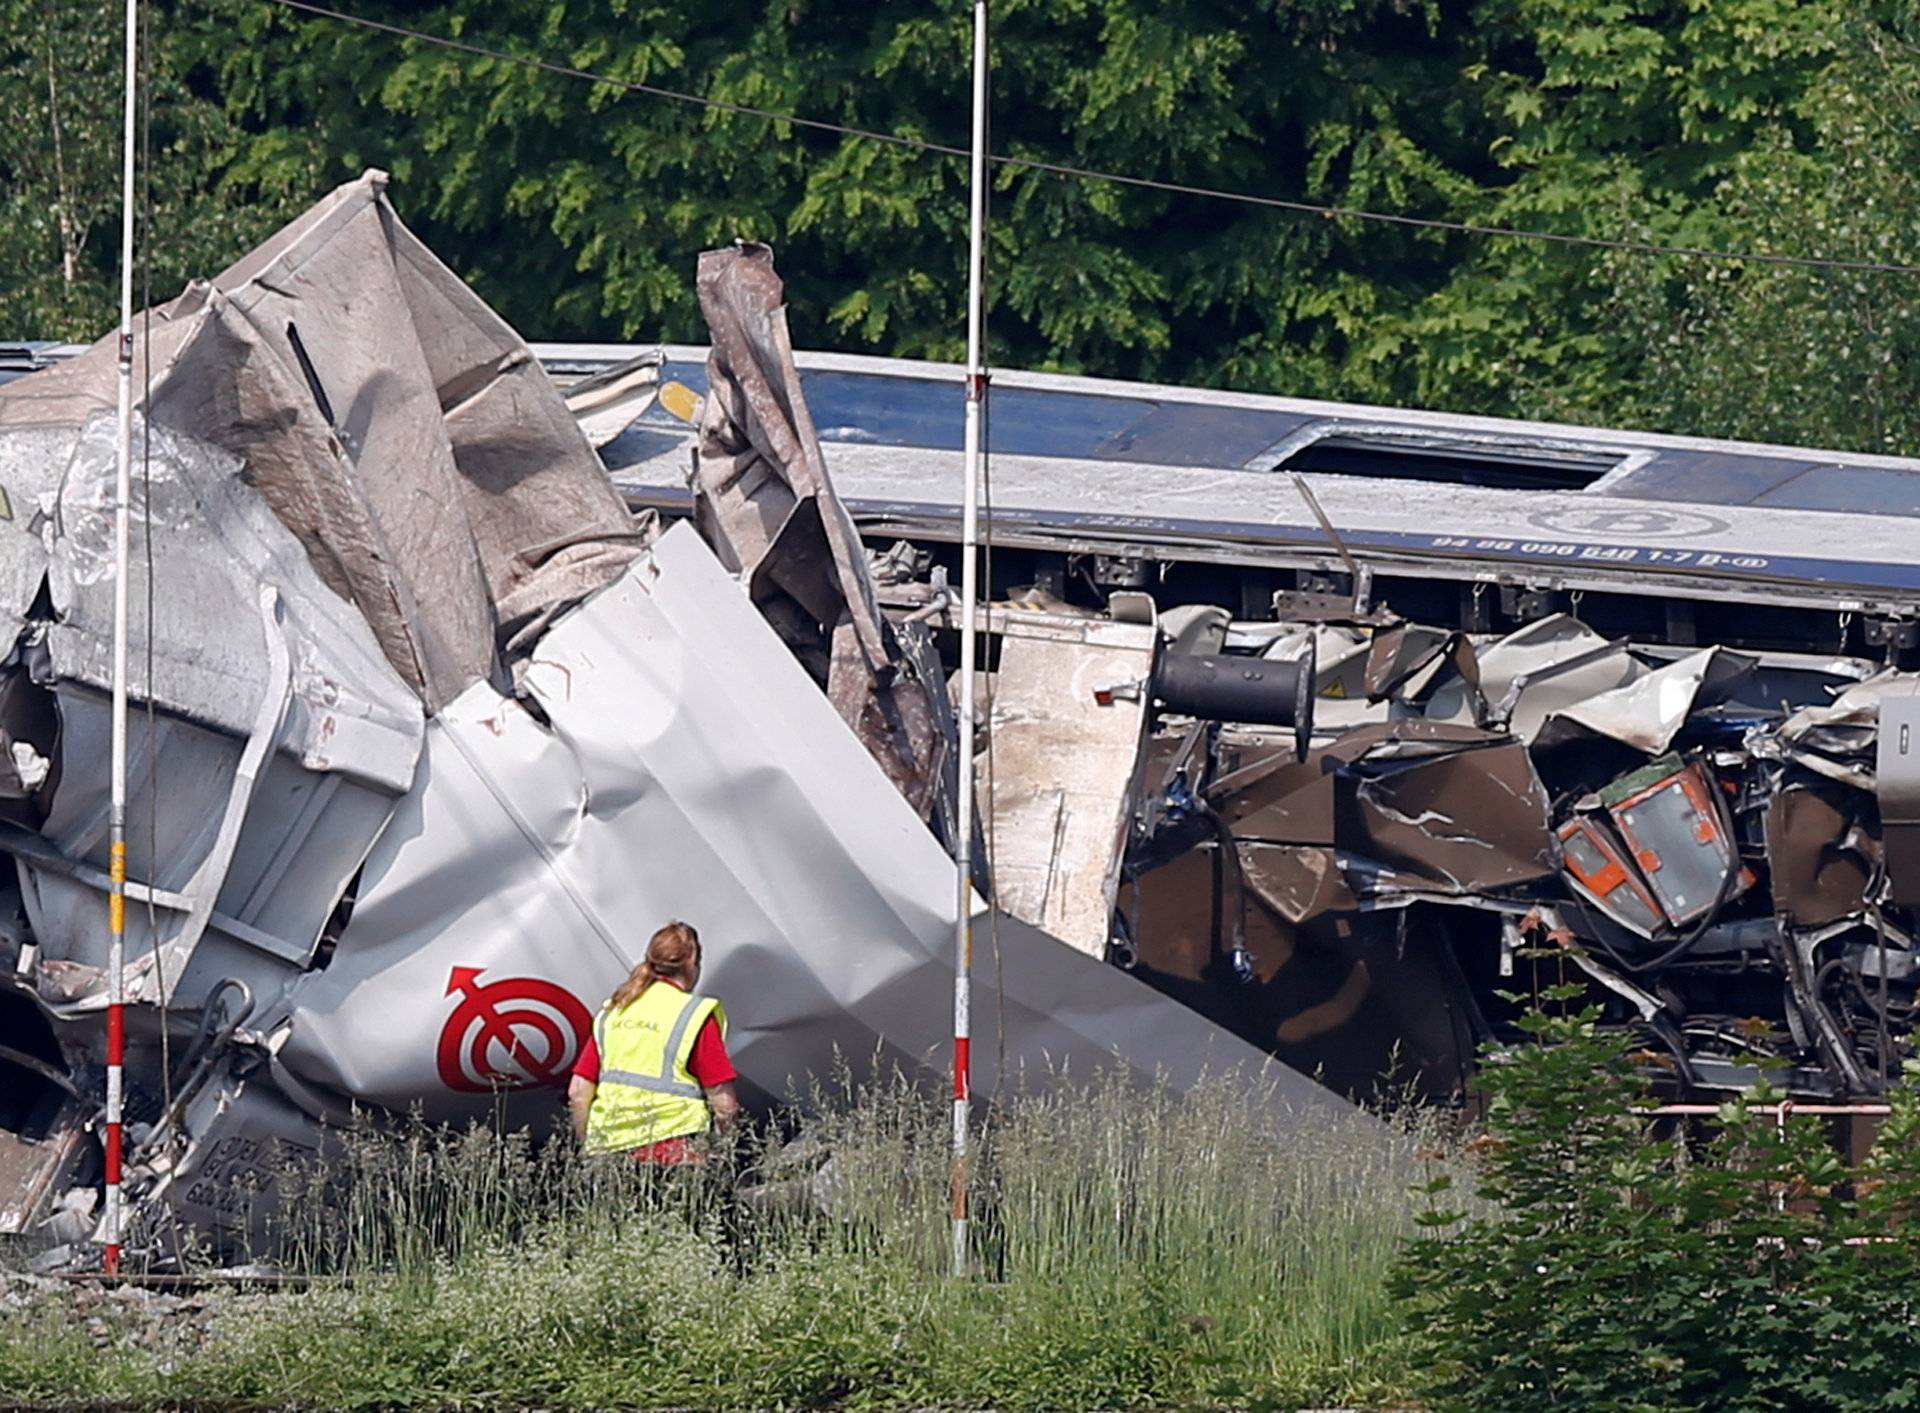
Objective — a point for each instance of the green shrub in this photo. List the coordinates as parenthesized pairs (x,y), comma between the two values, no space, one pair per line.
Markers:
(1613,1268)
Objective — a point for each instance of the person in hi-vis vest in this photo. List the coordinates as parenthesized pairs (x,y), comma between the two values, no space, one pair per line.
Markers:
(656,1075)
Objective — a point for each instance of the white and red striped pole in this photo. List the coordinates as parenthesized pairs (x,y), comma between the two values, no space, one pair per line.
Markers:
(117,817)
(969,595)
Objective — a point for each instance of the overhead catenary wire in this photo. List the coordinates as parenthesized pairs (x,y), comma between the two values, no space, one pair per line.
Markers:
(1327,210)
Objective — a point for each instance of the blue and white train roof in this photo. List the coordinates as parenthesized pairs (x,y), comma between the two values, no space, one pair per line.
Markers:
(1131,468)
(1087,464)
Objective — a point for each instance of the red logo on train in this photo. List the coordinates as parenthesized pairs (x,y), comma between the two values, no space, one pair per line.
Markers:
(520,1032)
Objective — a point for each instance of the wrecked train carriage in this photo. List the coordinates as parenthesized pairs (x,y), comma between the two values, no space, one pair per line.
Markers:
(1588,703)
(429,733)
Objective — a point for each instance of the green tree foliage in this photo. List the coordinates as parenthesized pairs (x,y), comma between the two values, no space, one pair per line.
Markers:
(578,208)
(60,153)
(1831,358)
(1612,1268)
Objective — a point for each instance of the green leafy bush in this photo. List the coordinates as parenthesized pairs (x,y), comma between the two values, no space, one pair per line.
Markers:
(1619,1267)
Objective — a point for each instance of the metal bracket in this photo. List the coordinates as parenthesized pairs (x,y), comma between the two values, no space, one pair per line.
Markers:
(1898,633)
(1527,603)
(1121,571)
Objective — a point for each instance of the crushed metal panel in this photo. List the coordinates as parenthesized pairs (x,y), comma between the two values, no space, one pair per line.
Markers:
(1819,858)
(1535,671)
(244,873)
(1295,804)
(1648,712)
(215,544)
(1897,782)
(692,770)
(1298,884)
(1447,808)
(1194,628)
(1837,740)
(473,909)
(248,1155)
(280,738)
(1061,782)
(1410,659)
(438,402)
(31,1169)
(605,403)
(1363,1005)
(763,499)
(1470,822)
(358,379)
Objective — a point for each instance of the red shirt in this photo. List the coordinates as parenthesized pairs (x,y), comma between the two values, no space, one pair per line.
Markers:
(709,1064)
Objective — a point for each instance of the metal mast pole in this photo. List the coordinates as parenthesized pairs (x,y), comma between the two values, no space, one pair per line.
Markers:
(117,818)
(969,595)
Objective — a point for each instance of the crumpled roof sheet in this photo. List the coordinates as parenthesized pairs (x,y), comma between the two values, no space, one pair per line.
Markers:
(763,500)
(391,420)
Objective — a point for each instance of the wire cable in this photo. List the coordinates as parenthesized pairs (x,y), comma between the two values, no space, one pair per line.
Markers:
(147,206)
(1092,174)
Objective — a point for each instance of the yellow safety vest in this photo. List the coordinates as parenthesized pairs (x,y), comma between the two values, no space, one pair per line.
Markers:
(646,1091)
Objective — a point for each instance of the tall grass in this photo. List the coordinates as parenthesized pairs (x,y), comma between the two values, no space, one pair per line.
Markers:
(1130,1251)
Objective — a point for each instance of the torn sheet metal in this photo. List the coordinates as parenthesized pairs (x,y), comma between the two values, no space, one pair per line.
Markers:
(434,744)
(1468,822)
(1296,883)
(33,1169)
(243,853)
(1838,740)
(763,500)
(1438,806)
(1724,899)
(1648,712)
(1651,672)
(1410,660)
(1533,672)
(1061,784)
(214,544)
(825,904)
(1192,628)
(1368,1005)
(608,401)
(387,417)
(280,739)
(1820,856)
